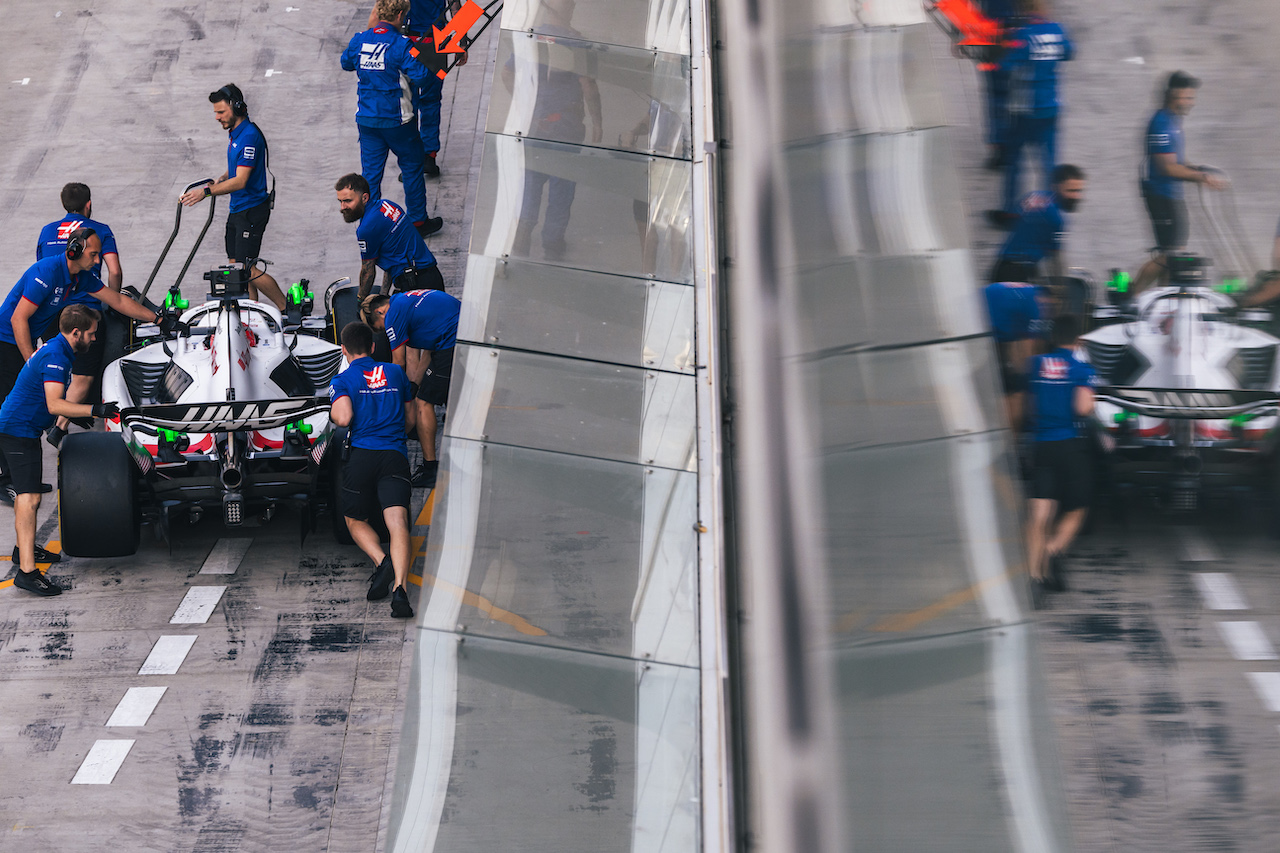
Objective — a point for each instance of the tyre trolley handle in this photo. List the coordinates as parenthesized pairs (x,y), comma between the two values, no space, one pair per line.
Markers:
(177,223)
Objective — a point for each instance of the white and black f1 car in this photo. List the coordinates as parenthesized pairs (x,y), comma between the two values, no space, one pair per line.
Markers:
(229,415)
(1192,392)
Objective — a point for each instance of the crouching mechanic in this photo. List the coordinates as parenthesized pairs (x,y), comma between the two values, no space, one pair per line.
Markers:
(422,328)
(372,400)
(386,240)
(1061,388)
(37,398)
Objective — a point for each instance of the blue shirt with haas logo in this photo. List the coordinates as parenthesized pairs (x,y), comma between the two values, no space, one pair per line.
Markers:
(49,286)
(1054,378)
(387,237)
(1032,62)
(423,319)
(1014,310)
(1040,229)
(1164,136)
(25,412)
(378,393)
(53,241)
(382,62)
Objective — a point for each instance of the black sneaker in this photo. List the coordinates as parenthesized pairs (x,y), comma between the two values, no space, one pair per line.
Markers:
(380,580)
(429,167)
(42,556)
(1057,579)
(431,226)
(400,607)
(425,475)
(36,582)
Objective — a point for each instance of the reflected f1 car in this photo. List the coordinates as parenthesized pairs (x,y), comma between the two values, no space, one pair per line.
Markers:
(1191,397)
(229,415)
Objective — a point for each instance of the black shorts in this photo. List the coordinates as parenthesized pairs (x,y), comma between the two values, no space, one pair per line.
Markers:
(244,232)
(23,463)
(1013,380)
(373,480)
(11,362)
(434,387)
(422,278)
(1063,473)
(1168,221)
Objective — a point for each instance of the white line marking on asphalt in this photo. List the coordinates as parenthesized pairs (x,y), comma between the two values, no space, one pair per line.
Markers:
(168,654)
(1246,640)
(136,706)
(1220,592)
(100,765)
(24,81)
(225,557)
(1136,60)
(198,605)
(1195,548)
(1268,686)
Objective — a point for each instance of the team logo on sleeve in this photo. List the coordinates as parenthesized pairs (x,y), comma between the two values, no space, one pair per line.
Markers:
(249,152)
(375,379)
(390,211)
(1160,139)
(373,57)
(1052,369)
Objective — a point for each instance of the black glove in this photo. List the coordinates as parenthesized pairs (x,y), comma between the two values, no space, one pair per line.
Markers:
(83,423)
(105,410)
(55,435)
(169,324)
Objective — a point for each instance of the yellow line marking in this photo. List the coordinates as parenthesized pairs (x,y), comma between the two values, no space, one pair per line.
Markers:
(915,618)
(428,509)
(3,584)
(482,604)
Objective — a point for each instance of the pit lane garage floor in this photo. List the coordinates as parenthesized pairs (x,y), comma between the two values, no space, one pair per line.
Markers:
(237,692)
(1160,658)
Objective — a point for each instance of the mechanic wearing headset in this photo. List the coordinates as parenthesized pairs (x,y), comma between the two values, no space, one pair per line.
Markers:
(1061,391)
(1041,228)
(384,111)
(386,240)
(422,328)
(245,180)
(77,202)
(37,396)
(372,399)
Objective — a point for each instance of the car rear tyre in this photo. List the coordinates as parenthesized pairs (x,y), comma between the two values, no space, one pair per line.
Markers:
(97,496)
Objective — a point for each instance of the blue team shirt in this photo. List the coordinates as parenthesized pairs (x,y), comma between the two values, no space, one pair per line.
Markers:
(378,393)
(247,147)
(386,236)
(382,62)
(53,241)
(1054,378)
(1014,311)
(423,319)
(1040,230)
(25,412)
(47,284)
(1032,62)
(1164,136)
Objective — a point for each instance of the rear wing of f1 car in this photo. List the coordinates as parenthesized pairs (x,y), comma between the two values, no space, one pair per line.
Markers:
(225,417)
(1190,403)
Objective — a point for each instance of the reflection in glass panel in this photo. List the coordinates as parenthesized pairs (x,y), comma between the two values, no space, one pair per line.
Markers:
(578,313)
(649,24)
(567,551)
(581,407)
(584,207)
(546,749)
(545,88)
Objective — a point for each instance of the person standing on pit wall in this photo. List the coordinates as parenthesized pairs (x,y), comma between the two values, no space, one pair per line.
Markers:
(1032,64)
(422,328)
(372,400)
(1061,391)
(77,202)
(385,117)
(1041,228)
(1166,171)
(248,161)
(37,397)
(386,240)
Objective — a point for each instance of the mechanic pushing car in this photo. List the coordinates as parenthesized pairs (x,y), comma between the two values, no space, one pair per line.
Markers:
(38,395)
(1041,228)
(248,161)
(422,328)
(1017,311)
(1061,390)
(386,240)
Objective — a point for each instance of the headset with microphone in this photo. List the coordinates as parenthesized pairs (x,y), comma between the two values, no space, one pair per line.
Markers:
(238,106)
(76,242)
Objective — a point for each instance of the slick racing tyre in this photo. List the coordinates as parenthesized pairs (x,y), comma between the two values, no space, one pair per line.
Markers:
(97,496)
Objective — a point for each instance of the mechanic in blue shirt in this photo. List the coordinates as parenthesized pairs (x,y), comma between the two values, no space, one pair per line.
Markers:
(1061,392)
(422,328)
(995,79)
(1166,170)
(1041,227)
(37,397)
(1017,311)
(386,240)
(248,161)
(385,116)
(1032,64)
(372,400)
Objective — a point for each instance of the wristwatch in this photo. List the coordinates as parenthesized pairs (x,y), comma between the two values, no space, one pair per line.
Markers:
(208,190)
